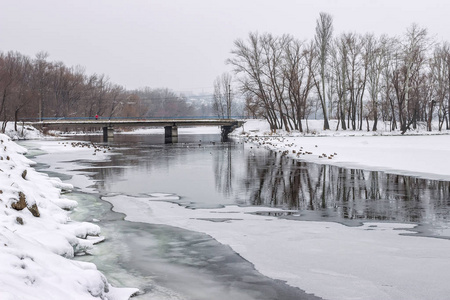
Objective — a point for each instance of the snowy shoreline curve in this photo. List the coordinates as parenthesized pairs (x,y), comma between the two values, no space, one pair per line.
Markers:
(38,239)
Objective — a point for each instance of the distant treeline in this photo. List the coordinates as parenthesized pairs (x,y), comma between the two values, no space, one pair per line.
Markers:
(351,77)
(35,88)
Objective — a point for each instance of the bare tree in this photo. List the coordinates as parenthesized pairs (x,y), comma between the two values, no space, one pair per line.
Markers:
(414,48)
(24,92)
(324,32)
(223,96)
(249,62)
(9,82)
(446,54)
(273,48)
(339,66)
(161,102)
(298,62)
(252,107)
(67,86)
(41,80)
(115,100)
(377,59)
(440,75)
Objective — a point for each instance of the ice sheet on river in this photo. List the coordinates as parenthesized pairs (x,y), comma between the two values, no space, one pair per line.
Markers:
(333,261)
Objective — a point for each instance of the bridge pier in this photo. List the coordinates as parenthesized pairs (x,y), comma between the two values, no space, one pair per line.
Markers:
(226,129)
(108,133)
(171,134)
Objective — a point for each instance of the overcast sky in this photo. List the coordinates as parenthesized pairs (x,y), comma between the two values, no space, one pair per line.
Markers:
(183,44)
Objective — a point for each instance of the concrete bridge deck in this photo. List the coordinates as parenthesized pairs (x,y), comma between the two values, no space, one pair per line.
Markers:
(170,124)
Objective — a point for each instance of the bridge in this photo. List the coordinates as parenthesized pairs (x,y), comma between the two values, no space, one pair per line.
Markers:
(170,125)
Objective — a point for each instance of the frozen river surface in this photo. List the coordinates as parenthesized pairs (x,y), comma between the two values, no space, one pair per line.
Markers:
(238,222)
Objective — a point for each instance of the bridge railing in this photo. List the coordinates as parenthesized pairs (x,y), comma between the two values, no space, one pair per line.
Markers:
(133,118)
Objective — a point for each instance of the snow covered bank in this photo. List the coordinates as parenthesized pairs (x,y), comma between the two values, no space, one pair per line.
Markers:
(419,153)
(371,262)
(37,237)
(23,131)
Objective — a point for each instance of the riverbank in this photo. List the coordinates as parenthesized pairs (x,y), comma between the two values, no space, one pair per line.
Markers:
(38,238)
(418,153)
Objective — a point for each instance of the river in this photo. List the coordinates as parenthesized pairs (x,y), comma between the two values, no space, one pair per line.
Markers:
(201,171)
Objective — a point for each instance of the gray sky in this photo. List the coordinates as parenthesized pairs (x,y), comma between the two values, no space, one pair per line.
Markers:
(183,44)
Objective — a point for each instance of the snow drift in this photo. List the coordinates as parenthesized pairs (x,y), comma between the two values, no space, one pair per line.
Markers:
(38,238)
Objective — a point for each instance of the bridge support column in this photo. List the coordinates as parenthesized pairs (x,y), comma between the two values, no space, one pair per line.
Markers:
(171,134)
(108,133)
(226,129)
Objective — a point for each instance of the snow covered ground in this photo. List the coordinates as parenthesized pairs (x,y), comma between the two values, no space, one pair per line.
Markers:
(330,260)
(38,239)
(418,153)
(374,261)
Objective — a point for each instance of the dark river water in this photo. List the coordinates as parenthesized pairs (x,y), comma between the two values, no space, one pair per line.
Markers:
(171,263)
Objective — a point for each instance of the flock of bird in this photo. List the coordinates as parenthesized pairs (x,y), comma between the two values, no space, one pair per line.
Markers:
(97,148)
(273,143)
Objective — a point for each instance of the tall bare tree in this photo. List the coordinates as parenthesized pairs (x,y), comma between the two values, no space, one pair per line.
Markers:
(223,96)
(414,48)
(10,71)
(339,66)
(440,74)
(298,62)
(42,81)
(377,59)
(24,93)
(249,61)
(323,37)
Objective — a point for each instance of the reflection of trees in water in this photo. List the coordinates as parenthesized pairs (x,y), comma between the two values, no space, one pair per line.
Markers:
(271,179)
(277,181)
(223,170)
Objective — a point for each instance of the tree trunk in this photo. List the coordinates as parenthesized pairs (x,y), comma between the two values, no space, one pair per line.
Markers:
(430,115)
(16,118)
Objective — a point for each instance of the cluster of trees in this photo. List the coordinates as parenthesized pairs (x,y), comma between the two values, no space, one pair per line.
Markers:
(353,78)
(36,88)
(163,102)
